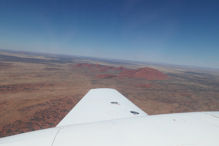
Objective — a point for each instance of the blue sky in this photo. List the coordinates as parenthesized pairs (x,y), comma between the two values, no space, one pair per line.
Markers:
(184,32)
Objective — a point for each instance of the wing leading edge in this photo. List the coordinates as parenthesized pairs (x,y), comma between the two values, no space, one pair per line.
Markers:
(100,105)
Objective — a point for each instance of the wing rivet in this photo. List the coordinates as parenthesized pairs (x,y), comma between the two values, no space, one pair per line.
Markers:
(134,112)
(114,102)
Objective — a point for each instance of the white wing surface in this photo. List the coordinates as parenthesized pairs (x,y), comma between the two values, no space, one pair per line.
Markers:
(100,105)
(110,119)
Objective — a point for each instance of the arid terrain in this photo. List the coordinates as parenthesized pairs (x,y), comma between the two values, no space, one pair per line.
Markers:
(38,90)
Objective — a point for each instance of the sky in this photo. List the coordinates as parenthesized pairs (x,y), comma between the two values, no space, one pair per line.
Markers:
(183,32)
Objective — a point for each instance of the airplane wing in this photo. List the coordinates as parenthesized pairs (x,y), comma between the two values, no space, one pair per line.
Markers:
(104,117)
(101,105)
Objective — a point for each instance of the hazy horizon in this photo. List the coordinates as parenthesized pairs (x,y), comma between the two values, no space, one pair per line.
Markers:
(113,59)
(178,32)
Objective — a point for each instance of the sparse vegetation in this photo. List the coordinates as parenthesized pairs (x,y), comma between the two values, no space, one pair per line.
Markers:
(37,93)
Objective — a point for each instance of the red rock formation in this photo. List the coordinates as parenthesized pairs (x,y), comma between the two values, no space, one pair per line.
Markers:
(144,73)
(144,85)
(150,74)
(129,73)
(106,76)
(119,68)
(84,65)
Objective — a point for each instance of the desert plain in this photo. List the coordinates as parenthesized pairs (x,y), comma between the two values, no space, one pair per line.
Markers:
(38,90)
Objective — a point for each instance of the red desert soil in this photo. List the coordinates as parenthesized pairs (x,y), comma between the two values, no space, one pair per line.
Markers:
(13,88)
(35,96)
(44,118)
(36,110)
